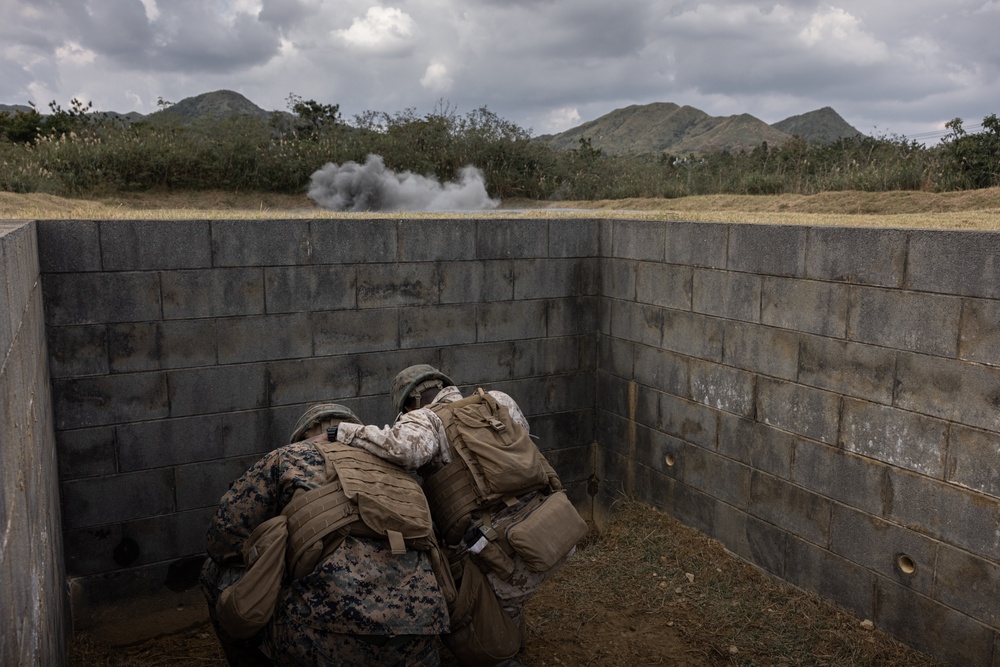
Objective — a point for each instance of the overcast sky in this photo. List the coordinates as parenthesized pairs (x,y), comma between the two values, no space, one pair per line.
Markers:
(888,67)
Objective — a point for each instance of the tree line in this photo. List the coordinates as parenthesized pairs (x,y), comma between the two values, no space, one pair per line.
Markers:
(76,152)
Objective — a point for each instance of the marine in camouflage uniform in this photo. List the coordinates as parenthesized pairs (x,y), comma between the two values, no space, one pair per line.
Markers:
(361,605)
(417,441)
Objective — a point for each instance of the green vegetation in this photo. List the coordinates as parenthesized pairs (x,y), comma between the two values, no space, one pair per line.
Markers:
(78,153)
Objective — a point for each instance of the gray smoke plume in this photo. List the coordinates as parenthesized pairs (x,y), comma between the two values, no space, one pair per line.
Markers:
(372,187)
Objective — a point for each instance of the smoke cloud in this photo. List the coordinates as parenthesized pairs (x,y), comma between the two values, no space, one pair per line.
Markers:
(372,187)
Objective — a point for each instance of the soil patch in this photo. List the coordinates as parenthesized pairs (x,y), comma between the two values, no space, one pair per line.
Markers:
(647,591)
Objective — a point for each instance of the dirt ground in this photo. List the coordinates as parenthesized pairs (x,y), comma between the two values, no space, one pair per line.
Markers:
(645,591)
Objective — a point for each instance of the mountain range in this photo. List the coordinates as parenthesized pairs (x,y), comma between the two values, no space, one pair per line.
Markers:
(660,127)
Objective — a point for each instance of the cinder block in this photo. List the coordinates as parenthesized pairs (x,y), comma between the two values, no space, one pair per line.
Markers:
(101,500)
(77,350)
(555,393)
(253,432)
(429,326)
(757,445)
(979,331)
(352,331)
(896,437)
(212,293)
(554,278)
(735,296)
(618,279)
(7,316)
(604,316)
(615,356)
(310,288)
(694,508)
(437,240)
(688,421)
(511,320)
(109,399)
(463,282)
(68,246)
(942,511)
(87,452)
(722,387)
(572,464)
(717,476)
(898,554)
(168,442)
(774,250)
(305,380)
(356,241)
(571,316)
(905,320)
(389,285)
(144,245)
(663,453)
(831,577)
(852,369)
(954,262)
(662,370)
(481,363)
(696,243)
(511,239)
(809,412)
(566,431)
(972,460)
(264,337)
(753,540)
(376,371)
(217,389)
(950,636)
(832,472)
(969,584)
(787,506)
(93,298)
(759,349)
(949,389)
(805,305)
(203,484)
(664,285)
(546,356)
(639,239)
(574,238)
(637,322)
(854,255)
(262,243)
(147,346)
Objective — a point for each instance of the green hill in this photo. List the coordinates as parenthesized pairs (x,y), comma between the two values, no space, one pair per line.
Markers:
(215,105)
(664,127)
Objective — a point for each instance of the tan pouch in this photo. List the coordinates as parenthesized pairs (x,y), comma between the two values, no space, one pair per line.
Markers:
(481,631)
(546,534)
(246,606)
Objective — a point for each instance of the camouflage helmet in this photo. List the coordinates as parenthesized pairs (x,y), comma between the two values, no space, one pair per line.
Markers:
(319,413)
(414,380)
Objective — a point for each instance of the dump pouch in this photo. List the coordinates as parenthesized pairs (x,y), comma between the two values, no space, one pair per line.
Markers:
(246,606)
(481,631)
(545,534)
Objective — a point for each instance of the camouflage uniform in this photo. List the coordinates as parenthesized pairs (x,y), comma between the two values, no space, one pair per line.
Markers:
(417,441)
(362,605)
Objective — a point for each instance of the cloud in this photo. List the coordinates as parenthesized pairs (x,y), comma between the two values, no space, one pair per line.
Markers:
(436,78)
(838,36)
(382,31)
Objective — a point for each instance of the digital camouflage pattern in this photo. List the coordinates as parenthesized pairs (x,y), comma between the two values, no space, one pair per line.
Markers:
(416,440)
(360,590)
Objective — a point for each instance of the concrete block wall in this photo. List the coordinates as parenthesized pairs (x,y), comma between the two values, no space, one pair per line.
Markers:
(824,402)
(34,615)
(182,351)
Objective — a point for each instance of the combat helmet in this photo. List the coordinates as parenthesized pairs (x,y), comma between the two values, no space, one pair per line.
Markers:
(410,382)
(319,413)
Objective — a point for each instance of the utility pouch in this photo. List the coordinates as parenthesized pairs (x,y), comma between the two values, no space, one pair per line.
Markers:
(246,606)
(481,631)
(544,535)
(493,557)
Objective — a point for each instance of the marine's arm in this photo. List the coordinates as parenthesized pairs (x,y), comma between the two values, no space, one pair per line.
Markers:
(413,441)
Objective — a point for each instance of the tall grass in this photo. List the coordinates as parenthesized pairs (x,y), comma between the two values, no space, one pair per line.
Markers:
(84,157)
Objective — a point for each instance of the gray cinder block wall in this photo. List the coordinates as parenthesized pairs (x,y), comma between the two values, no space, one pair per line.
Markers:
(820,400)
(34,615)
(181,351)
(824,402)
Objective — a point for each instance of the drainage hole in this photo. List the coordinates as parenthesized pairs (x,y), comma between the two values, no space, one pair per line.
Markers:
(905,564)
(669,459)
